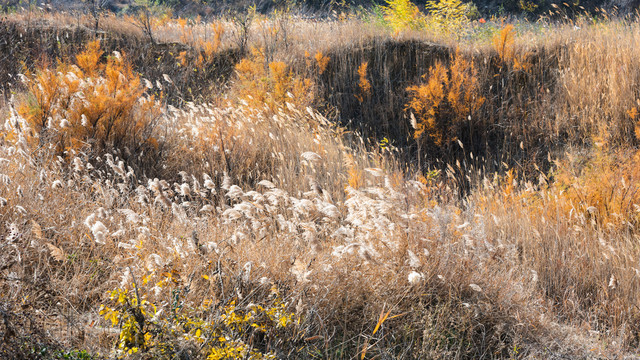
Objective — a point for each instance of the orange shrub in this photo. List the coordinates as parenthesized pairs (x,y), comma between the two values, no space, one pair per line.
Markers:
(364,86)
(210,47)
(448,98)
(271,84)
(504,43)
(605,188)
(206,38)
(92,105)
(322,61)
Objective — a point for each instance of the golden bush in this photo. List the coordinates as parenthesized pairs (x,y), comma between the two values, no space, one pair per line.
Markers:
(449,98)
(364,86)
(504,43)
(271,84)
(92,105)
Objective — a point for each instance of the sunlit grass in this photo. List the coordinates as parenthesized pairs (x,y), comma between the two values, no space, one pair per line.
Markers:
(254,226)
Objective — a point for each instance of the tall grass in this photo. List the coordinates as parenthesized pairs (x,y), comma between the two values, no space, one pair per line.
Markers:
(265,225)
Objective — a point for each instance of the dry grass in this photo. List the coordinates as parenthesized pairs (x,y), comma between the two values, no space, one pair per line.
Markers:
(520,240)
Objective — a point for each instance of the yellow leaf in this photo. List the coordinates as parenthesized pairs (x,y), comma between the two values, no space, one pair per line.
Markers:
(399,315)
(381,320)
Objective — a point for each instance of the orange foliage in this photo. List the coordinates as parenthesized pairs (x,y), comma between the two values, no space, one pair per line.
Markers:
(182,22)
(322,61)
(270,84)
(425,102)
(605,189)
(89,59)
(92,105)
(281,79)
(445,101)
(356,175)
(356,178)
(364,86)
(209,47)
(504,43)
(182,58)
(600,191)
